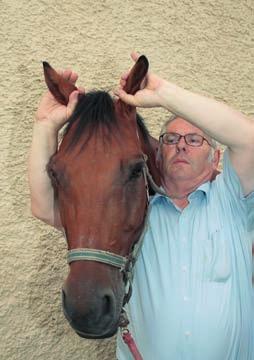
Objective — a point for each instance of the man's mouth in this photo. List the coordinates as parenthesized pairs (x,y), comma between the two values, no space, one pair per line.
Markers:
(179,161)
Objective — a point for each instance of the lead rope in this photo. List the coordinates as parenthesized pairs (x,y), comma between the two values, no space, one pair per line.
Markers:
(129,341)
(127,337)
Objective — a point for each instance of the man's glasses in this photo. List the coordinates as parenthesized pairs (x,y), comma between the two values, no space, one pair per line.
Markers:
(171,138)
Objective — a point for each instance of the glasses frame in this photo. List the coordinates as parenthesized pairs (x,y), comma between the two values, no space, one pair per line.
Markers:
(183,136)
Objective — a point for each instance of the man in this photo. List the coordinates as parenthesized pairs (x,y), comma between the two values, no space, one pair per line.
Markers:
(192,294)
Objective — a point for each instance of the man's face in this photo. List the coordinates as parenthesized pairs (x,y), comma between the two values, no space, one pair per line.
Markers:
(182,161)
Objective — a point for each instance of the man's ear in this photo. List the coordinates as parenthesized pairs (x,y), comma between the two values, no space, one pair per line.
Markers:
(158,156)
(216,158)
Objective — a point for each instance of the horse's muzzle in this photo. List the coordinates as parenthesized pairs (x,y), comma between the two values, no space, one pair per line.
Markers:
(93,320)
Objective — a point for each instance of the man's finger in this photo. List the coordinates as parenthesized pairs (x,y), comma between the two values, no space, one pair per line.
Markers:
(73,77)
(66,74)
(125,75)
(127,98)
(73,99)
(135,55)
(81,89)
(70,76)
(122,83)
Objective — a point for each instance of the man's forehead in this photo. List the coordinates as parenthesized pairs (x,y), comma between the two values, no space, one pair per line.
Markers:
(182,126)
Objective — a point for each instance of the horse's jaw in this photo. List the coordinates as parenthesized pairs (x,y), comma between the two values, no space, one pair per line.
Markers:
(101,336)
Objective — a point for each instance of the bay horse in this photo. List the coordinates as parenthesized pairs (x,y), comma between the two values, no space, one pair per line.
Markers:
(99,175)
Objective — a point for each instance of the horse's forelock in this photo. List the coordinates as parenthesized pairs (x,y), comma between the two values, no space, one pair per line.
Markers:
(95,110)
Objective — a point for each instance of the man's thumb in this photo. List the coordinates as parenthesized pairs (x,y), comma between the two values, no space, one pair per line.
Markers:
(127,98)
(73,100)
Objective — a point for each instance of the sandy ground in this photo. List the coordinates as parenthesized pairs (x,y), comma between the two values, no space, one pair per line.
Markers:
(203,46)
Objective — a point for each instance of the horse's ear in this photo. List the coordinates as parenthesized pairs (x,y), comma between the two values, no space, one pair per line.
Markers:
(136,76)
(57,85)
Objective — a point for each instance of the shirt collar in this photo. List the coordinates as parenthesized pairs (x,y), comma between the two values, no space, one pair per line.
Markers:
(202,189)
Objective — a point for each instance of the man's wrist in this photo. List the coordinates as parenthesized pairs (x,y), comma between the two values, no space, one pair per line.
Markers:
(165,93)
(46,126)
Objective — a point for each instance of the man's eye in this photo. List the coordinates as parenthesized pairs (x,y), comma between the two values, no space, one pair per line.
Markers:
(195,140)
(170,139)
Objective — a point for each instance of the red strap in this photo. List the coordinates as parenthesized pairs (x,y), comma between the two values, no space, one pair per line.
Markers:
(129,341)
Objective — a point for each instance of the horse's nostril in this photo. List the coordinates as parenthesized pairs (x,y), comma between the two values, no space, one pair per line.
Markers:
(102,306)
(106,305)
(63,298)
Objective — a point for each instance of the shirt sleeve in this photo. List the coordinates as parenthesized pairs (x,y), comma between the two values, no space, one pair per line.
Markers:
(232,182)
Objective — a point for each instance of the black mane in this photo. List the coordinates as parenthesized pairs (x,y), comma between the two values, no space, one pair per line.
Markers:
(96,109)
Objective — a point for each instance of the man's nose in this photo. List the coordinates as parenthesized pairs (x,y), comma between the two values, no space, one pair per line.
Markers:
(181,145)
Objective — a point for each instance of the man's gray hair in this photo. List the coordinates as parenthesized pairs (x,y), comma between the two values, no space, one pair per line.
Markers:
(166,123)
(213,142)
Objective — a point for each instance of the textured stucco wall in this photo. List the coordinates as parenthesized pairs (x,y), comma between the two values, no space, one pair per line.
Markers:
(205,46)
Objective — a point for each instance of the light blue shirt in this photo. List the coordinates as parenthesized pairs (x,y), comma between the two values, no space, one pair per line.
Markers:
(192,290)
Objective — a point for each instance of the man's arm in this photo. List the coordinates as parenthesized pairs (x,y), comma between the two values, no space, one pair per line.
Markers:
(43,203)
(226,125)
(50,117)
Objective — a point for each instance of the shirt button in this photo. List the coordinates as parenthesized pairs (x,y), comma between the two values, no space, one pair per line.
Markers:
(186,298)
(184,268)
(187,333)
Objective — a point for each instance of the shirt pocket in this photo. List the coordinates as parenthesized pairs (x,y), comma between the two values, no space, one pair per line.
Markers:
(217,256)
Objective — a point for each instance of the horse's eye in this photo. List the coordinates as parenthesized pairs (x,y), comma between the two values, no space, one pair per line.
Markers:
(53,176)
(136,171)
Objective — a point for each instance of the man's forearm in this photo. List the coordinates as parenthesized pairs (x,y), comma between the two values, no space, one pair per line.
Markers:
(44,145)
(226,125)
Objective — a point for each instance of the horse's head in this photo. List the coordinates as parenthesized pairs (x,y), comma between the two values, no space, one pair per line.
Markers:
(99,180)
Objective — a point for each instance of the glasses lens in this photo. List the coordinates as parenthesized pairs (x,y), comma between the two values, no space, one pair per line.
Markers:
(194,139)
(170,138)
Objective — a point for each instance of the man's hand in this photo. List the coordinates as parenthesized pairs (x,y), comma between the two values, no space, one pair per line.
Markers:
(150,94)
